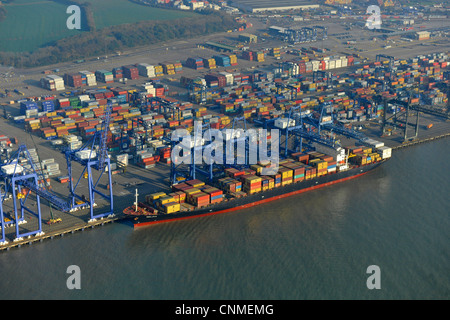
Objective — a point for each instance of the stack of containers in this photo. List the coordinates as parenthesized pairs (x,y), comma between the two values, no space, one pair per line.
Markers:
(198,199)
(233,59)
(73,80)
(51,167)
(168,204)
(310,172)
(104,76)
(165,155)
(298,171)
(253,56)
(72,142)
(210,63)
(320,165)
(48,106)
(267,183)
(215,194)
(33,125)
(178,67)
(149,88)
(259,56)
(90,78)
(230,185)
(145,159)
(118,73)
(195,63)
(286,175)
(146,70)
(151,198)
(222,60)
(252,183)
(234,173)
(275,52)
(168,68)
(48,133)
(28,108)
(195,183)
(53,83)
(248,55)
(130,72)
(301,157)
(216,80)
(159,70)
(229,77)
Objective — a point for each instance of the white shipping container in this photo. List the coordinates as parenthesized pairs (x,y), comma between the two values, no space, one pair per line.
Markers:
(86,154)
(384,152)
(12,168)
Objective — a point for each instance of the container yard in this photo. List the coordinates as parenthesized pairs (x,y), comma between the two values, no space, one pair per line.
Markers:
(396,101)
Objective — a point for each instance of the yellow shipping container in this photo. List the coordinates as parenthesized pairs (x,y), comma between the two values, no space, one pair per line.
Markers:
(155,196)
(192,191)
(171,207)
(166,199)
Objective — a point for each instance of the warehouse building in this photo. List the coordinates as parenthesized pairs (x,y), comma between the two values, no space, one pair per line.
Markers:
(270,5)
(247,37)
(423,35)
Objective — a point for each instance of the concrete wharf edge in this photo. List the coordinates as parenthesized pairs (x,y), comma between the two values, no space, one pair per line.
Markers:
(60,232)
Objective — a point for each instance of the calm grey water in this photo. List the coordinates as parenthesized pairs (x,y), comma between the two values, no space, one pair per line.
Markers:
(316,245)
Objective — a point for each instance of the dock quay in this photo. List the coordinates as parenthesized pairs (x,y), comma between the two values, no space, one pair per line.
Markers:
(60,232)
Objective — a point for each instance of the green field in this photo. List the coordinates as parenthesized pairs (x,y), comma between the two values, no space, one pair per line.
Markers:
(113,12)
(31,24)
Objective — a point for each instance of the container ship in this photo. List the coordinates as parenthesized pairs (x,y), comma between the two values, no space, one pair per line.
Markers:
(241,189)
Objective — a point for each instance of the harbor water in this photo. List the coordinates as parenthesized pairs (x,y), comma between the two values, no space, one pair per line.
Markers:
(316,245)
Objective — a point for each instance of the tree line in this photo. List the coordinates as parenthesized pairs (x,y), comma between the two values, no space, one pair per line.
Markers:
(117,38)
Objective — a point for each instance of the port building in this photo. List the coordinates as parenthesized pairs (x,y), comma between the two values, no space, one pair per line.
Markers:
(255,6)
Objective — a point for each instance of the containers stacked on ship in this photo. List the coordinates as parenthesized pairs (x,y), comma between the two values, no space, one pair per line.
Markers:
(286,175)
(104,76)
(298,171)
(166,203)
(230,185)
(146,70)
(215,195)
(130,72)
(252,183)
(195,63)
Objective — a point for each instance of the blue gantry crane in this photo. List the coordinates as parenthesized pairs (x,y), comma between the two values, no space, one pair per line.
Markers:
(92,155)
(23,183)
(201,143)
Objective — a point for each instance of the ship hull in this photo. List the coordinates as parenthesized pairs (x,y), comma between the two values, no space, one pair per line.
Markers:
(257,199)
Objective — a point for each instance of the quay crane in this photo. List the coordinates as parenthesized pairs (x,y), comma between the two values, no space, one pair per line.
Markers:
(91,159)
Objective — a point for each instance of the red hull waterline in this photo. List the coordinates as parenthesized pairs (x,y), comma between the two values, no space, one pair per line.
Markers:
(252,204)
